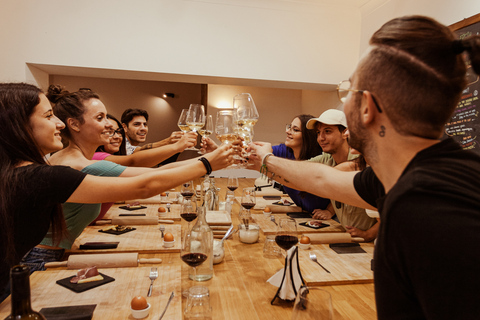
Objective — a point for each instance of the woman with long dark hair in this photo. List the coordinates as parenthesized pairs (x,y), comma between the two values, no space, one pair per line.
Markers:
(301,144)
(31,190)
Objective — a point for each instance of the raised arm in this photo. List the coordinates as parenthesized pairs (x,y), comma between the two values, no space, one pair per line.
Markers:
(174,137)
(94,189)
(153,156)
(319,179)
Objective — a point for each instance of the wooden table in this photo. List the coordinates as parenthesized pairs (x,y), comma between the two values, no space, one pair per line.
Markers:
(151,210)
(238,289)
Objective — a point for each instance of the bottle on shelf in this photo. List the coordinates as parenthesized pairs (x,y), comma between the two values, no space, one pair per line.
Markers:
(21,303)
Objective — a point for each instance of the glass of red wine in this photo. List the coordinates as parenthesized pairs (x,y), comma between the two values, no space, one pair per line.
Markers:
(188,211)
(187,190)
(248,202)
(286,236)
(193,251)
(232,185)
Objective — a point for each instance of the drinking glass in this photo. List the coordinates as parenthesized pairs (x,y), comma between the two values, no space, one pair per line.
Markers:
(188,210)
(193,252)
(232,185)
(286,236)
(245,110)
(198,304)
(195,118)
(182,121)
(312,303)
(207,130)
(187,190)
(225,126)
(248,201)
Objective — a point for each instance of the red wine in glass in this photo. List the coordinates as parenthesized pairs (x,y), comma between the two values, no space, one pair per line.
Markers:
(232,188)
(194,259)
(286,241)
(189,216)
(187,194)
(248,205)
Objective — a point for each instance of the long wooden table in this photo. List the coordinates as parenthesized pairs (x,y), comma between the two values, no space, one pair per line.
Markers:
(238,289)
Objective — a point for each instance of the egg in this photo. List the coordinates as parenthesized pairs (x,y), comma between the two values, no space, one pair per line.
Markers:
(162,209)
(163,194)
(168,237)
(267,209)
(305,240)
(139,303)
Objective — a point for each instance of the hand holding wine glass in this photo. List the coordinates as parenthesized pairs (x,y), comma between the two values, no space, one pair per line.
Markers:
(286,236)
(207,130)
(182,121)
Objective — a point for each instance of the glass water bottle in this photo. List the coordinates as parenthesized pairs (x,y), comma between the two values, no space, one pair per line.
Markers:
(201,232)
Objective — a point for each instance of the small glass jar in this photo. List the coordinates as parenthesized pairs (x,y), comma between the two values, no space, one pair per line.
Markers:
(250,234)
(218,251)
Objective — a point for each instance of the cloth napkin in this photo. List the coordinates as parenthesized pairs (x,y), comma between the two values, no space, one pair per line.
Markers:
(83,312)
(286,291)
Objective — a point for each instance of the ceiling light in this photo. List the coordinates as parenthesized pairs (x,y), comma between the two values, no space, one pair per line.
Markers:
(168,95)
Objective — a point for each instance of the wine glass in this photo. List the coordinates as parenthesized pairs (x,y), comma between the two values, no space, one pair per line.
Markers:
(312,303)
(207,130)
(248,201)
(193,251)
(195,118)
(245,110)
(188,210)
(286,236)
(225,127)
(232,184)
(182,121)
(187,189)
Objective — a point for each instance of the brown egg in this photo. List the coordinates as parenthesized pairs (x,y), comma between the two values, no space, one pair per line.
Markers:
(168,237)
(305,240)
(139,303)
(163,194)
(162,209)
(267,209)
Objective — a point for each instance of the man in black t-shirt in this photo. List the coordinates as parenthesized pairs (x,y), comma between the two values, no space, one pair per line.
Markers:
(427,190)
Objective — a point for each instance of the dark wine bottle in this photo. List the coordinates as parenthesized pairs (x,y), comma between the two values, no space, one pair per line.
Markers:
(21,304)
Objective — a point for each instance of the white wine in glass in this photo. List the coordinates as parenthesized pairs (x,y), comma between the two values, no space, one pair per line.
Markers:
(225,127)
(182,121)
(195,119)
(245,110)
(207,130)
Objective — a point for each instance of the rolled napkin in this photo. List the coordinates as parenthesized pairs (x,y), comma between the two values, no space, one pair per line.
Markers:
(336,237)
(286,291)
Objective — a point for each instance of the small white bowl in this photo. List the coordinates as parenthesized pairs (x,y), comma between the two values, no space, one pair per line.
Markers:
(162,214)
(140,314)
(304,246)
(168,244)
(267,214)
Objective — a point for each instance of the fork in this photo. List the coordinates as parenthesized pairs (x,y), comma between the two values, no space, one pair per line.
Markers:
(272,218)
(153,275)
(313,256)
(162,229)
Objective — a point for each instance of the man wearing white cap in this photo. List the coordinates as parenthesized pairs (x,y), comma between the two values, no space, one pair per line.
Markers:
(331,129)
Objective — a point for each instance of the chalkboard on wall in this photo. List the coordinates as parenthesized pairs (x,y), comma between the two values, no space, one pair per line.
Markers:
(464,125)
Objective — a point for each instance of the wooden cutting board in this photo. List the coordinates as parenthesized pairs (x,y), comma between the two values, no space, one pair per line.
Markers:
(145,239)
(218,218)
(112,299)
(344,268)
(268,227)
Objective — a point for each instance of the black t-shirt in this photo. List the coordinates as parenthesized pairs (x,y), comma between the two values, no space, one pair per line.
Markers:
(40,189)
(427,256)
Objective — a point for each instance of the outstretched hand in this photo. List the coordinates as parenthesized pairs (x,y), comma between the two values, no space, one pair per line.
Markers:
(257,151)
(208,145)
(187,140)
(222,157)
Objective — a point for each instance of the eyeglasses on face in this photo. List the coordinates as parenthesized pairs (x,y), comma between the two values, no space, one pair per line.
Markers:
(344,87)
(119,132)
(290,127)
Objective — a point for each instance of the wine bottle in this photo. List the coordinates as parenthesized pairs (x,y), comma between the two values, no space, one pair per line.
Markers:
(21,304)
(202,232)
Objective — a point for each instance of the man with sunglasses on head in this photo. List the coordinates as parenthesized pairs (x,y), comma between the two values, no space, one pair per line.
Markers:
(426,187)
(331,128)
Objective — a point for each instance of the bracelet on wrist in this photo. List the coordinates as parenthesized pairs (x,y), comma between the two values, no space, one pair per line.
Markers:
(207,165)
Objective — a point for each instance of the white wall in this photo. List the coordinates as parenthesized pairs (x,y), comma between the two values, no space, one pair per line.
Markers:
(251,39)
(445,11)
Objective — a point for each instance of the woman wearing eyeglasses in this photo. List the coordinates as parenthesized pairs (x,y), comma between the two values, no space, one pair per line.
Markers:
(301,144)
(87,127)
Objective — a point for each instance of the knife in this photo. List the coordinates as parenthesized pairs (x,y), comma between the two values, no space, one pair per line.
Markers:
(169,299)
